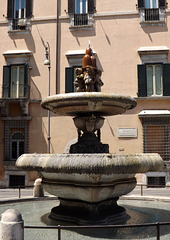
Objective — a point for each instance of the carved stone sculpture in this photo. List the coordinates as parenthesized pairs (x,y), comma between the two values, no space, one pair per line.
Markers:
(88,77)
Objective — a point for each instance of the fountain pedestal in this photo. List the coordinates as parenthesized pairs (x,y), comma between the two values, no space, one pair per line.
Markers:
(84,213)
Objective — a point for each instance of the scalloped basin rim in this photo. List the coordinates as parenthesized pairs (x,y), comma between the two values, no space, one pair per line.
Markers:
(91,163)
(105,104)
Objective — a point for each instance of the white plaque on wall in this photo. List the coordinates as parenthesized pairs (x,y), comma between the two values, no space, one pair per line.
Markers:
(127,132)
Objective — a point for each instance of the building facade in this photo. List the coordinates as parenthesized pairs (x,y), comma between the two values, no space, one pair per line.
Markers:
(131,44)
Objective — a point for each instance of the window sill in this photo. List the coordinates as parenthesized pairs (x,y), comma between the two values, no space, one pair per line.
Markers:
(146,23)
(25,31)
(9,99)
(153,98)
(82,27)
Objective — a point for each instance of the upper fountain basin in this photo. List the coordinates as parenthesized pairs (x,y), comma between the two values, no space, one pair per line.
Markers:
(103,104)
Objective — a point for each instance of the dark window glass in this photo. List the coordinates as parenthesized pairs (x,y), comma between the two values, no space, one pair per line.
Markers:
(17,145)
(16,181)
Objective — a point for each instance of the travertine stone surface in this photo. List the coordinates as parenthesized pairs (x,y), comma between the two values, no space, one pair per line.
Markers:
(90,177)
(91,163)
(73,104)
(11,225)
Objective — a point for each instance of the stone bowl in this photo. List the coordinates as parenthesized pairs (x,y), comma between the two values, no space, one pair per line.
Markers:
(85,103)
(88,125)
(89,177)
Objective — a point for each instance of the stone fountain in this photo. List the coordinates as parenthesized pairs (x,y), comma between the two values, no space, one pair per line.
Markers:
(89,180)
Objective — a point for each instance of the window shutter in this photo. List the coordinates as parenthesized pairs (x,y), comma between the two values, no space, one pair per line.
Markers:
(6,81)
(142,85)
(90,6)
(29,8)
(71,6)
(69,79)
(26,79)
(162,3)
(141,4)
(166,79)
(10,9)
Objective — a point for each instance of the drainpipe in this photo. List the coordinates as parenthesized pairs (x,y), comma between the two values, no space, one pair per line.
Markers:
(57,49)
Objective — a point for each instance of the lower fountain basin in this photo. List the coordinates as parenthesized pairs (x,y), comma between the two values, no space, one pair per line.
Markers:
(87,177)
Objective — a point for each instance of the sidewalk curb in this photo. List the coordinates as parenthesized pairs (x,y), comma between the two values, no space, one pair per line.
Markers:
(27,199)
(145,198)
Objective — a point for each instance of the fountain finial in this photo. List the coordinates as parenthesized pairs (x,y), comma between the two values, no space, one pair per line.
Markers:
(88,77)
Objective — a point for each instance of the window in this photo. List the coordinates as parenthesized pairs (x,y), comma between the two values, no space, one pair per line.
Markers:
(75,59)
(15,81)
(17,145)
(80,12)
(18,13)
(156,182)
(16,139)
(19,9)
(153,80)
(152,10)
(151,4)
(69,80)
(16,181)
(156,136)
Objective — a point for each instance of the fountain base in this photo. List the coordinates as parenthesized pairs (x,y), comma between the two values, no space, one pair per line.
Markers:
(89,143)
(84,213)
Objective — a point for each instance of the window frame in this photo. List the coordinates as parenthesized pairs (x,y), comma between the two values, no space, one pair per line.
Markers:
(70,78)
(157,122)
(152,15)
(154,89)
(11,127)
(7,78)
(142,80)
(81,20)
(17,23)
(17,141)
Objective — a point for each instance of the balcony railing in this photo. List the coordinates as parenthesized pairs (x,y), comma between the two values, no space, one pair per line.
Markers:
(80,19)
(22,92)
(18,24)
(152,14)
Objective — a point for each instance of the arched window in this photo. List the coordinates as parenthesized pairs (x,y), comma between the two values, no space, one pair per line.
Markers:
(18,140)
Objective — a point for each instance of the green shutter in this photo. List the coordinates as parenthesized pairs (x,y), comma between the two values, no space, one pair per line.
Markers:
(69,79)
(142,84)
(162,3)
(141,4)
(6,81)
(71,6)
(91,6)
(10,9)
(29,8)
(166,79)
